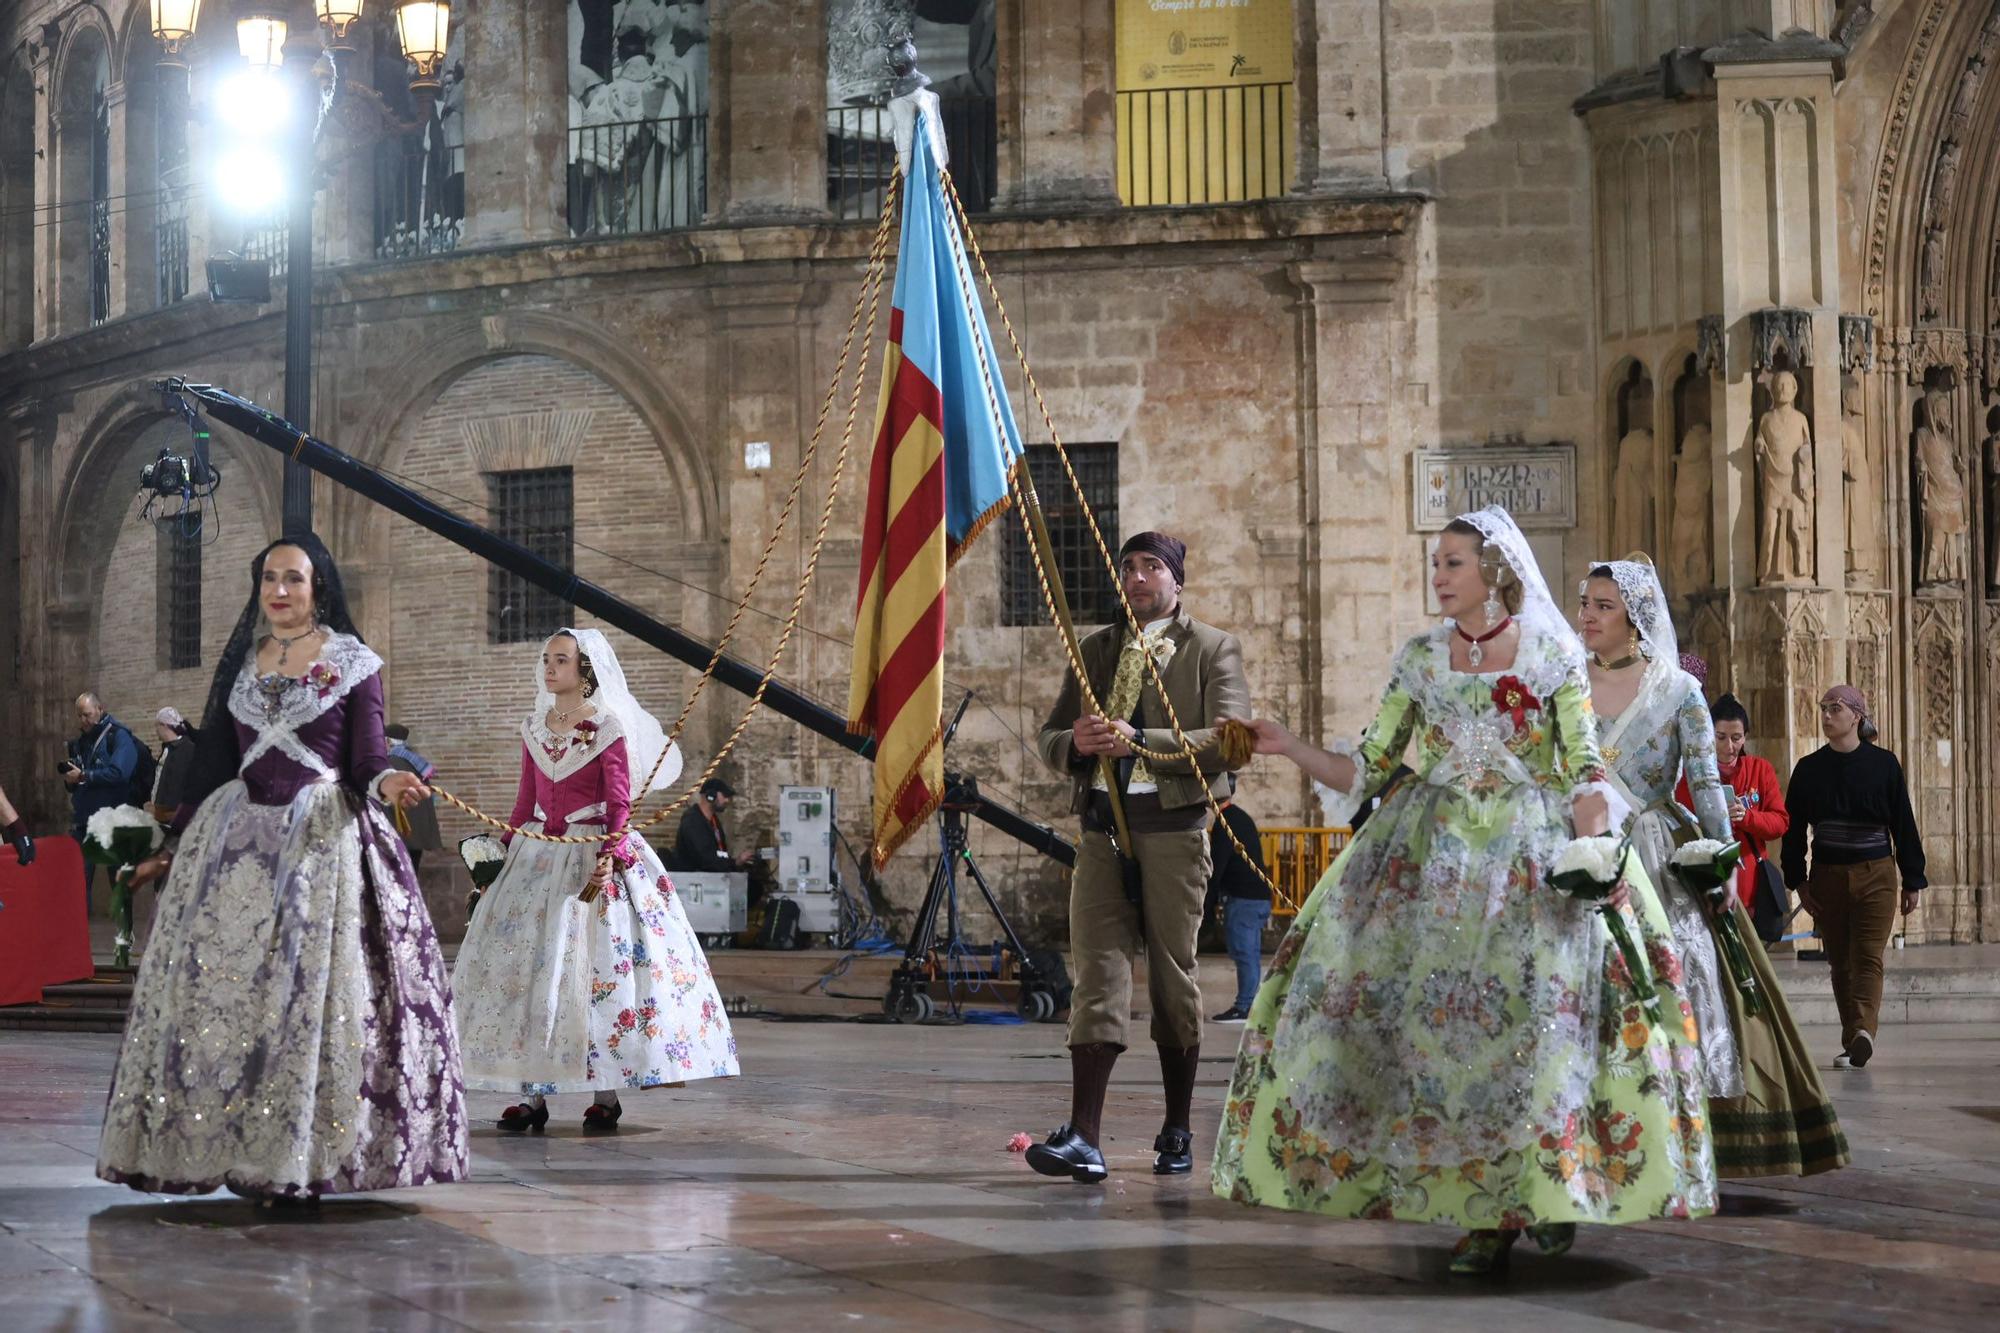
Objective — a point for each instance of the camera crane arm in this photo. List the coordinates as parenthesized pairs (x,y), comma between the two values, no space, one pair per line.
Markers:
(267,428)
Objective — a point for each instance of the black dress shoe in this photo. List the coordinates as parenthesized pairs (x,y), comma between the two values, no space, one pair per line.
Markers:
(520,1119)
(1068,1153)
(1173,1153)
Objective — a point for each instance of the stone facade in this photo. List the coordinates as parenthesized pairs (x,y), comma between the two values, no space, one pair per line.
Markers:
(1504,231)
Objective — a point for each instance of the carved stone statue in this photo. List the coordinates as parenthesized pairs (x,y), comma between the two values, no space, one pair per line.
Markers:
(1632,493)
(1692,547)
(1785,477)
(1991,448)
(1864,497)
(1941,493)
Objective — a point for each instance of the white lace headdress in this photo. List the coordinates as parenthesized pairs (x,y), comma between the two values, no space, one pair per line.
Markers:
(1645,606)
(1539,613)
(645,738)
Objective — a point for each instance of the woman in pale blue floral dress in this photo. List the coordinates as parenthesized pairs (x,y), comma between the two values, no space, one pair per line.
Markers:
(1444,1037)
(1652,723)
(1768,1111)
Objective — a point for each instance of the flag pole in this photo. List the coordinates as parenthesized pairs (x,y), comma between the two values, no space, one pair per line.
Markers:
(1031,508)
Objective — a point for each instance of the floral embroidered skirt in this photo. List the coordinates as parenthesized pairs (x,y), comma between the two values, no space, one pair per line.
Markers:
(1444,1038)
(558,995)
(291,1026)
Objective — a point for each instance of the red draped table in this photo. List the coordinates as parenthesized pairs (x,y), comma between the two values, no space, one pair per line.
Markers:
(44,934)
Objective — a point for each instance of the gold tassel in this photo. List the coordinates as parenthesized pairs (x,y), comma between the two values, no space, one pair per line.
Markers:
(1236,743)
(402,821)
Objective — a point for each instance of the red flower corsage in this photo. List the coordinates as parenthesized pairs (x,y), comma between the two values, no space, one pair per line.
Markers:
(586,733)
(322,678)
(1513,698)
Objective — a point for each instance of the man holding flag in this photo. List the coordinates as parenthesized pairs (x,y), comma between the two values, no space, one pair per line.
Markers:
(1152,891)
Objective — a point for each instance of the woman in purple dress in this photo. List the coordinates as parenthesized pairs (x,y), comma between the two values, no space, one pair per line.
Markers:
(291,1031)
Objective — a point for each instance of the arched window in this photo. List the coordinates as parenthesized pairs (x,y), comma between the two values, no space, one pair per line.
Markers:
(83,184)
(638,116)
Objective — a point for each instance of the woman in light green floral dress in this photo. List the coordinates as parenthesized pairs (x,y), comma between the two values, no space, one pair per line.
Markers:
(1444,1037)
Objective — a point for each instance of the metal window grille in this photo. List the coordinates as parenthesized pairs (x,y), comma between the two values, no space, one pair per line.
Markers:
(177,560)
(1219,145)
(636,176)
(269,241)
(861,155)
(1093,598)
(100,213)
(537,508)
(419,197)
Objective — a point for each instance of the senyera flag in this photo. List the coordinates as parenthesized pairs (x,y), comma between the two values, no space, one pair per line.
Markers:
(939,476)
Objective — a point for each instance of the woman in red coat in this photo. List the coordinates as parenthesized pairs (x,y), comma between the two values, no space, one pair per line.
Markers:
(1757,812)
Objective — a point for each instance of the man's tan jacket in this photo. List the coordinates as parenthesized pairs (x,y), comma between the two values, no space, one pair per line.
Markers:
(1204,681)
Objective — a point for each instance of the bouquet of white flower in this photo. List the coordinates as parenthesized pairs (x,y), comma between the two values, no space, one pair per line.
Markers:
(1589,870)
(483,856)
(120,837)
(1707,866)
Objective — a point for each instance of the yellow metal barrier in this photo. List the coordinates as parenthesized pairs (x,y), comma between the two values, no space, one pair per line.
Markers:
(1295,859)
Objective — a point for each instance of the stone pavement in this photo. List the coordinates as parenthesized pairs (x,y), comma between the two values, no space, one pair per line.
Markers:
(857,1177)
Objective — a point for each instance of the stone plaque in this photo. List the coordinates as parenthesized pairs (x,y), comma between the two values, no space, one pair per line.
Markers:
(1536,484)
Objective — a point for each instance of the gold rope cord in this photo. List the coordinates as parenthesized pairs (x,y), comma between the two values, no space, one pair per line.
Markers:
(1021,485)
(868,297)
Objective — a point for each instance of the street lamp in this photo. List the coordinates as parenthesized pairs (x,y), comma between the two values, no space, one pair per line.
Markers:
(173,25)
(260,36)
(421,28)
(337,19)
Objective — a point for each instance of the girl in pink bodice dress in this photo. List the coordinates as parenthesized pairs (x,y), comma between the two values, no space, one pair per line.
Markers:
(558,992)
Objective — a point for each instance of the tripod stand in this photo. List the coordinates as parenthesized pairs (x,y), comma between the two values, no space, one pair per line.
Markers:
(909,1000)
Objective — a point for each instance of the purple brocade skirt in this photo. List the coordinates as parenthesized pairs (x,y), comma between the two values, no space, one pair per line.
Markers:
(291,1028)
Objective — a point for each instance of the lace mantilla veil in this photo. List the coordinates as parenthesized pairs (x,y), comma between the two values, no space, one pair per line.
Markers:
(645,738)
(1646,606)
(1539,613)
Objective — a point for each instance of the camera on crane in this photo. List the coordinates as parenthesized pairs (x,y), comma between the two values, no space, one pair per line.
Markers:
(176,474)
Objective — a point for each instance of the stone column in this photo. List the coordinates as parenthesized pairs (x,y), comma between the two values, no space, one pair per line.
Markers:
(767,111)
(42,708)
(1778,251)
(48,175)
(1057,105)
(1341,111)
(516,121)
(131,224)
(1776,17)
(1351,315)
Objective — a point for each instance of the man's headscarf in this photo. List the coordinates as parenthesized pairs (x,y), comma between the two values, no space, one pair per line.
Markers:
(1854,699)
(1172,552)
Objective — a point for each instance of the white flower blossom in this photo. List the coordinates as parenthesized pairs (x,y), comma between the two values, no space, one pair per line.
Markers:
(1700,852)
(1594,857)
(481,850)
(102,827)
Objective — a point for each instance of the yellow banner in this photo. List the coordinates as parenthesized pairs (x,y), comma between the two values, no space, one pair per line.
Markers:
(1203,43)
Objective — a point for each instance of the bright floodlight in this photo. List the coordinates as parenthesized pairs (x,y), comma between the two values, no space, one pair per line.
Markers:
(250,181)
(253,103)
